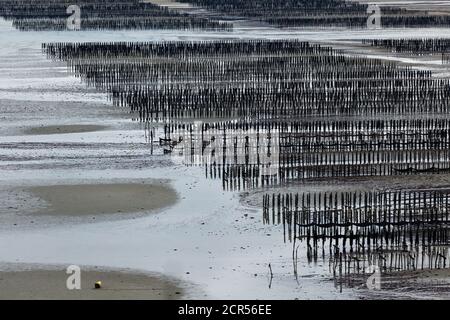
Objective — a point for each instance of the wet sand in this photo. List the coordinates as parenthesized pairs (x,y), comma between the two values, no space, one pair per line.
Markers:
(62,129)
(50,284)
(93,199)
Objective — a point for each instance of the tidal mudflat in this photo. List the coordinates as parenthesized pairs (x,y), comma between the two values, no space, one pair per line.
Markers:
(96,164)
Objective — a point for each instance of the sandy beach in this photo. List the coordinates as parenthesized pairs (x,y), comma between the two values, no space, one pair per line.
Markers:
(49,283)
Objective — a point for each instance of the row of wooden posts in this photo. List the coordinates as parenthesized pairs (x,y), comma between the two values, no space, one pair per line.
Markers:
(423,46)
(38,15)
(220,79)
(362,219)
(268,83)
(308,150)
(320,13)
(411,259)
